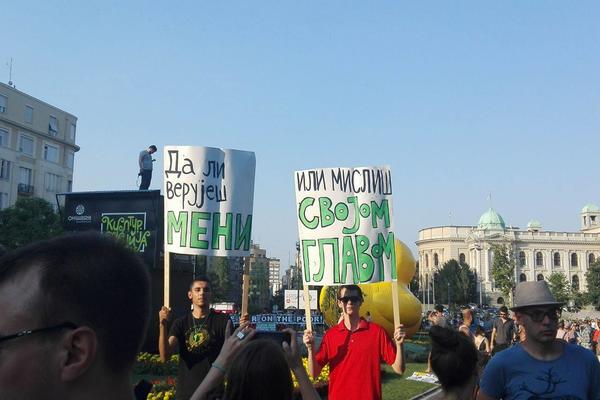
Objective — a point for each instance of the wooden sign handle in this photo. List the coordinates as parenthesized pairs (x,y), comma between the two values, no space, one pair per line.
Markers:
(167,279)
(245,286)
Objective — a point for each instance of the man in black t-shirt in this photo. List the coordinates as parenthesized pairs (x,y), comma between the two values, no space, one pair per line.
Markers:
(198,337)
(503,332)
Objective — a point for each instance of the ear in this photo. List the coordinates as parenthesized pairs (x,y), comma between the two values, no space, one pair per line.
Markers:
(190,295)
(79,347)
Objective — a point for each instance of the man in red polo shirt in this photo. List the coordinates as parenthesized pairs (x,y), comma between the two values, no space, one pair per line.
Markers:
(354,350)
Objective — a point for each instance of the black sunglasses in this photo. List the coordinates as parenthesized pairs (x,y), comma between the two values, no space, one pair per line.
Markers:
(353,299)
(539,315)
(28,332)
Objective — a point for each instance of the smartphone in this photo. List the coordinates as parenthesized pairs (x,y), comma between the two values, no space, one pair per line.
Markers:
(278,337)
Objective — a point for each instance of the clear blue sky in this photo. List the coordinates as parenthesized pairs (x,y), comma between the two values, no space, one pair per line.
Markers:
(460,98)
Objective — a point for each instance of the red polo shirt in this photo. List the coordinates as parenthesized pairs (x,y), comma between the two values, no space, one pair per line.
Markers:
(354,360)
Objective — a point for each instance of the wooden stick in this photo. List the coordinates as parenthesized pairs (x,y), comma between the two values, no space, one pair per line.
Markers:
(245,286)
(307,307)
(167,278)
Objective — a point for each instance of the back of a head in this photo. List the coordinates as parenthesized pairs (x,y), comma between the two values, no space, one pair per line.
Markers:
(453,357)
(91,280)
(259,372)
(439,308)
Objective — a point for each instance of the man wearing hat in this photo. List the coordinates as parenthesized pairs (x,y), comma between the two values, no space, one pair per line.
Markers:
(541,366)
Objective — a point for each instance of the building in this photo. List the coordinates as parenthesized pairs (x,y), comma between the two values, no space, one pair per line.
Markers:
(537,253)
(260,293)
(37,148)
(274,278)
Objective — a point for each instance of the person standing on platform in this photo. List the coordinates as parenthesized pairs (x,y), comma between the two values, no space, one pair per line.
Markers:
(145,161)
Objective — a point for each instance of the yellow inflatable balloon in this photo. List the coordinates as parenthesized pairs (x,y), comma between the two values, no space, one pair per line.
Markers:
(378,297)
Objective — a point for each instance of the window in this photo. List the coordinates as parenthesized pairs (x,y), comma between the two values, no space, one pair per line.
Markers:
(573,259)
(70,159)
(50,153)
(539,259)
(540,277)
(4,169)
(3,137)
(25,176)
(591,258)
(427,260)
(522,278)
(53,126)
(3,101)
(575,282)
(436,260)
(26,145)
(72,132)
(52,182)
(522,259)
(69,186)
(557,259)
(29,114)
(462,258)
(3,200)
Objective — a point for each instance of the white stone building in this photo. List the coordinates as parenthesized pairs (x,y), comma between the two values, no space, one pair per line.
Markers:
(37,148)
(537,253)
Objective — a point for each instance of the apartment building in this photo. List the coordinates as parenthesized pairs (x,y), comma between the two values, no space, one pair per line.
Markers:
(37,147)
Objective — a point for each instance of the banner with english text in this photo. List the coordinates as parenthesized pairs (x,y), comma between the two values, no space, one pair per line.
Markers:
(209,195)
(345,225)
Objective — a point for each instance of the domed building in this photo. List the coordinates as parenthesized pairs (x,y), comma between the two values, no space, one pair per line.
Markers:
(537,253)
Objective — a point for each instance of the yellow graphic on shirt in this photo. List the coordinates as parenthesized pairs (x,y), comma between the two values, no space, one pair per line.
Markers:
(197,339)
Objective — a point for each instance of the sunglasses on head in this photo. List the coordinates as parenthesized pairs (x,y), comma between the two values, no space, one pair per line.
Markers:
(353,299)
(538,315)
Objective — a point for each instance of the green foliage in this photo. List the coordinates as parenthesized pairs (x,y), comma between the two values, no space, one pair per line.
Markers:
(559,286)
(458,279)
(219,278)
(503,269)
(28,220)
(592,277)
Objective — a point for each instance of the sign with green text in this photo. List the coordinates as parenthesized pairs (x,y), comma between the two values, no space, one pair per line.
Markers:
(345,225)
(209,196)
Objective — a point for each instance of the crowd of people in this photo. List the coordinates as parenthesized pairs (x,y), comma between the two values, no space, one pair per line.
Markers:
(76,309)
(529,355)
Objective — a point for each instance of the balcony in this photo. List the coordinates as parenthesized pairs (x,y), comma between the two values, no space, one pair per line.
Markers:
(25,189)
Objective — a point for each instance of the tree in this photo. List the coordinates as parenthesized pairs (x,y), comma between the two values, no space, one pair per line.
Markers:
(559,286)
(28,220)
(219,278)
(503,269)
(592,277)
(456,281)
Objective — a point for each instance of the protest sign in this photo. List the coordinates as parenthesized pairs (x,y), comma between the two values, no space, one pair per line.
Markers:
(209,196)
(294,300)
(345,225)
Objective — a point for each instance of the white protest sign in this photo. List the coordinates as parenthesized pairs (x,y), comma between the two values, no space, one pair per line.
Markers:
(345,225)
(209,195)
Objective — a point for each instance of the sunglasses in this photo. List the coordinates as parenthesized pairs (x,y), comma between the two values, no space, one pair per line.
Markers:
(539,315)
(353,299)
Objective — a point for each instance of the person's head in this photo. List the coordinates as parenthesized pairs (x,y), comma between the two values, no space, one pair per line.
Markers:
(537,311)
(200,293)
(83,301)
(152,149)
(259,372)
(503,312)
(467,314)
(453,358)
(350,298)
(439,309)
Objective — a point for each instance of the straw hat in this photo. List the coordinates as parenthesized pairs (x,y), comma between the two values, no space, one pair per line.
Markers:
(530,294)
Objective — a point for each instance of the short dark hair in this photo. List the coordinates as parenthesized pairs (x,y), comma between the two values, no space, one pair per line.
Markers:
(503,309)
(439,308)
(453,357)
(355,288)
(153,147)
(259,372)
(93,280)
(201,278)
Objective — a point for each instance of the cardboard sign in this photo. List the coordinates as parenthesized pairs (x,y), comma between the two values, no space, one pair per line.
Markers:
(209,195)
(345,225)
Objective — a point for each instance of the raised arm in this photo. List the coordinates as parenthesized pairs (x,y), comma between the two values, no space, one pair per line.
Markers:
(309,342)
(399,365)
(167,346)
(292,356)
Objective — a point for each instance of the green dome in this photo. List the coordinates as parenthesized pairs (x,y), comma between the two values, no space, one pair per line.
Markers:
(491,221)
(590,208)
(534,224)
